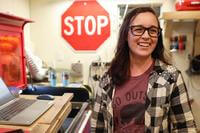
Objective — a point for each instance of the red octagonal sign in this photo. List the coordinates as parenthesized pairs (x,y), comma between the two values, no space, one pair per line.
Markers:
(85,25)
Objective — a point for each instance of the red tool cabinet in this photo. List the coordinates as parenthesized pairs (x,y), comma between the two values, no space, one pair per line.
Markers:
(12,57)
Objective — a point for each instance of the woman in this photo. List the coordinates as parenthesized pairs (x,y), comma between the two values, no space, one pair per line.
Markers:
(141,92)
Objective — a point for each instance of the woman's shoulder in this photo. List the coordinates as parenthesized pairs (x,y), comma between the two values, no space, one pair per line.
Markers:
(105,80)
(169,69)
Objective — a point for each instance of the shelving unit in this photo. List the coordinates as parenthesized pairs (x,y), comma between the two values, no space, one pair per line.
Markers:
(180,17)
(185,22)
(182,22)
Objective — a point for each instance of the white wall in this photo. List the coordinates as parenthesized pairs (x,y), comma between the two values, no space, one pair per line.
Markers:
(53,49)
(17,7)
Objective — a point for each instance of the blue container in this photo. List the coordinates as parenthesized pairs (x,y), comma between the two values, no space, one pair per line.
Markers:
(53,78)
(65,79)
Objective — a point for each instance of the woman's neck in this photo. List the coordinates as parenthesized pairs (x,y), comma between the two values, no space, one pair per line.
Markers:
(139,65)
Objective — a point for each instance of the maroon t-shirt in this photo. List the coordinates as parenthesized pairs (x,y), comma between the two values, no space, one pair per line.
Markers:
(129,104)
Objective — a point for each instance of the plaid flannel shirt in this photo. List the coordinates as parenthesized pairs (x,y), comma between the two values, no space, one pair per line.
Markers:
(167,103)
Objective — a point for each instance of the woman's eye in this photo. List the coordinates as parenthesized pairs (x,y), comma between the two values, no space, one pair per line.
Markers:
(153,31)
(138,30)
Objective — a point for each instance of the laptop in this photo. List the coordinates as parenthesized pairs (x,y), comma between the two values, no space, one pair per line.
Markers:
(20,111)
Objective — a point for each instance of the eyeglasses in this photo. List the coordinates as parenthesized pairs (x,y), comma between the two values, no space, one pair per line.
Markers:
(139,30)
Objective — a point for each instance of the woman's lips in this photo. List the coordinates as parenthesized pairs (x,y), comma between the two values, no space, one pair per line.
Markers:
(144,44)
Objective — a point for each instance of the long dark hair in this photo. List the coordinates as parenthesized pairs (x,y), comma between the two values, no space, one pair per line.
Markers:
(119,70)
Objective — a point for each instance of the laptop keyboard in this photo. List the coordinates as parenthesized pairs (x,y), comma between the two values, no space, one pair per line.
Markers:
(13,109)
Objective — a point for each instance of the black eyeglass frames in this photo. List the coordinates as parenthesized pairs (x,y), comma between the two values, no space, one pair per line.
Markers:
(139,30)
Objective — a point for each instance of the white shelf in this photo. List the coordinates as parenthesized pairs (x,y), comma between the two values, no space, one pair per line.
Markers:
(181,15)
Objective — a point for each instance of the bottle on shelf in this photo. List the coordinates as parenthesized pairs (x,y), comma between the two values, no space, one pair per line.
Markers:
(52,77)
(65,78)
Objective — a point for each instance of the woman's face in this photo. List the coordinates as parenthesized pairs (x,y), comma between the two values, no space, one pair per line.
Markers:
(142,45)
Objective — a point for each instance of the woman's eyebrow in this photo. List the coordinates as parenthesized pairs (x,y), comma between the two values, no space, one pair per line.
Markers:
(144,26)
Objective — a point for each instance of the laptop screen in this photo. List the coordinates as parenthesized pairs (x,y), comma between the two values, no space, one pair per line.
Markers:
(5,94)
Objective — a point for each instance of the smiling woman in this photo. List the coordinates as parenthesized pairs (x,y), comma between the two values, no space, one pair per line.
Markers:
(141,92)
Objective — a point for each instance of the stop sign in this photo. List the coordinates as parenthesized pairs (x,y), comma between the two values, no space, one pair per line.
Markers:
(85,25)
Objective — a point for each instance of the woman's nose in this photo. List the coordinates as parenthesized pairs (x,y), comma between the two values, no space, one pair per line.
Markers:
(146,34)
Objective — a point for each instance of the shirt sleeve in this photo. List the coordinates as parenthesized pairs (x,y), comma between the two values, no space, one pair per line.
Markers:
(181,114)
(97,120)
